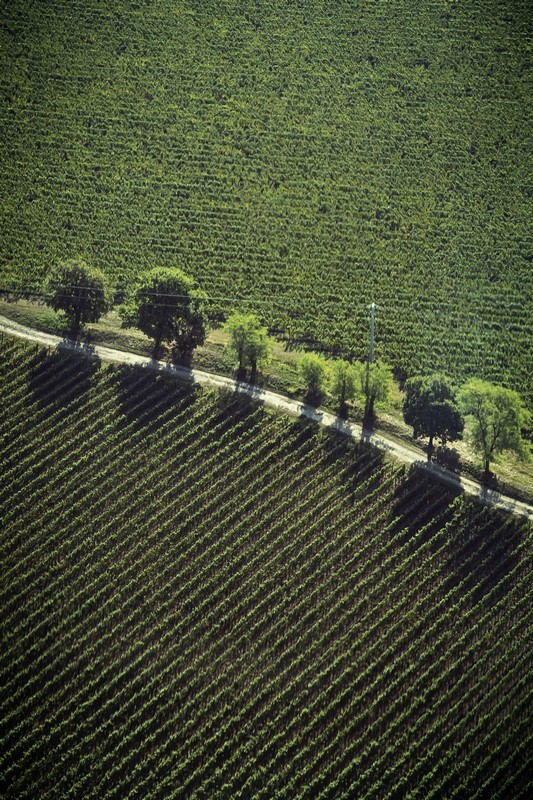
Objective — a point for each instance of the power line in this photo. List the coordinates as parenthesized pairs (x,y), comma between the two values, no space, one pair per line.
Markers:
(211,298)
(27,289)
(358,310)
(224,298)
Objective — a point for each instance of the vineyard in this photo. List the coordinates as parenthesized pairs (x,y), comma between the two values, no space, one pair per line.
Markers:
(300,159)
(203,599)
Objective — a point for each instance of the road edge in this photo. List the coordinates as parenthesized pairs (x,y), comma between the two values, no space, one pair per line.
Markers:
(293,407)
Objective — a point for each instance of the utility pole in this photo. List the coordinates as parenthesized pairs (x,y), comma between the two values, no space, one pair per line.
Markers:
(372,325)
(368,403)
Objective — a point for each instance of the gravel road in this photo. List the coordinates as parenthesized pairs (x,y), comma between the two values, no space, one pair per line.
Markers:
(403,453)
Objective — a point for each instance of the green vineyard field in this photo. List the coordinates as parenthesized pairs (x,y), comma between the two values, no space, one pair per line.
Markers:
(302,159)
(203,599)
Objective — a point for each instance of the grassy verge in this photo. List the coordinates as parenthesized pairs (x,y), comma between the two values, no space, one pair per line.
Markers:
(511,475)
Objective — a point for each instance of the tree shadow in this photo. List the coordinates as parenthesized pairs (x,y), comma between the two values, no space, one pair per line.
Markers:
(59,379)
(230,400)
(310,413)
(235,408)
(483,553)
(419,501)
(356,461)
(447,457)
(146,395)
(343,426)
(336,447)
(304,429)
(247,393)
(481,549)
(370,420)
(367,462)
(176,357)
(343,412)
(490,484)
(369,438)
(83,346)
(313,398)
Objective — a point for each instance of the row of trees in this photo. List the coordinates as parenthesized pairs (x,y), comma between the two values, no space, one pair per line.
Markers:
(345,381)
(168,307)
(493,415)
(165,304)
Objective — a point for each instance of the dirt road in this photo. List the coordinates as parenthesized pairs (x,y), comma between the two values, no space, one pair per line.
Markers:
(294,407)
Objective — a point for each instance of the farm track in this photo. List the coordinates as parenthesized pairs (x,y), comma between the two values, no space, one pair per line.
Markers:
(279,402)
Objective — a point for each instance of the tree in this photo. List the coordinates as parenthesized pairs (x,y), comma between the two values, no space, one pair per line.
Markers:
(430,406)
(248,341)
(343,381)
(374,383)
(78,289)
(495,417)
(167,306)
(314,370)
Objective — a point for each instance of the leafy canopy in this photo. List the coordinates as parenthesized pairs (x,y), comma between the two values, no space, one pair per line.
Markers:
(167,306)
(343,380)
(79,290)
(495,417)
(374,382)
(314,370)
(430,406)
(248,340)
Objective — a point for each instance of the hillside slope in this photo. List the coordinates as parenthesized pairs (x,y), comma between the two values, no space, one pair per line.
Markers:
(201,599)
